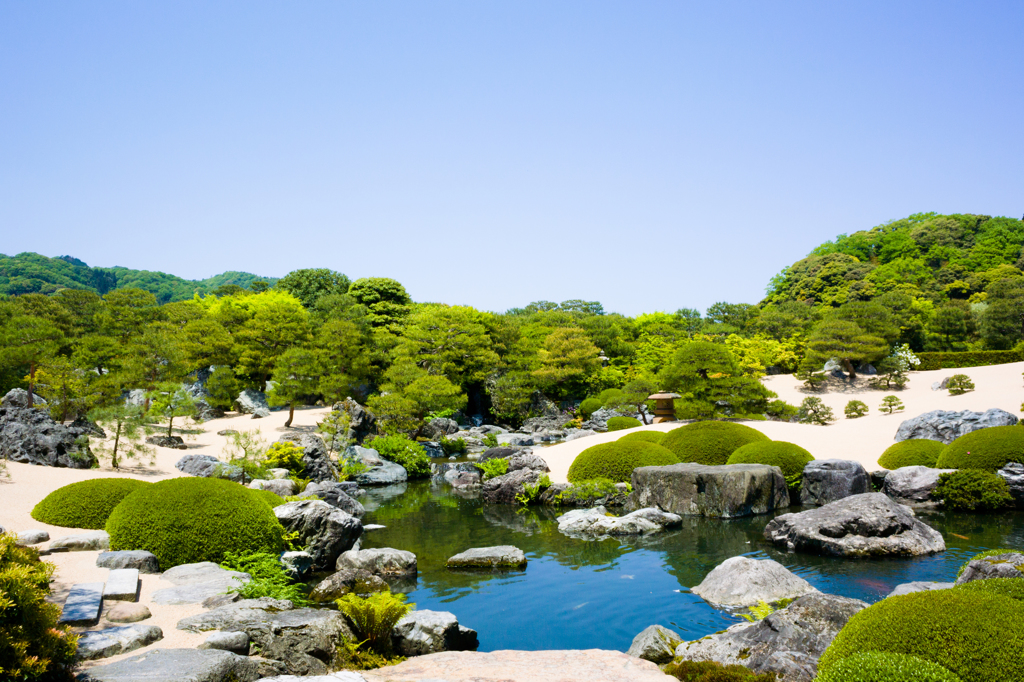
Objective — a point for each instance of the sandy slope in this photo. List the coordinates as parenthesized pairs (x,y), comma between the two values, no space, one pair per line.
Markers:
(862,440)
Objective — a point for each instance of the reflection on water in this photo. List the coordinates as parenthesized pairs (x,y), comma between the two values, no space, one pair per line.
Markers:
(578,594)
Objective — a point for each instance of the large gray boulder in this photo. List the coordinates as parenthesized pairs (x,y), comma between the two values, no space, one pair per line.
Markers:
(235,616)
(1010,565)
(194,583)
(501,556)
(788,642)
(326,531)
(527,460)
(504,489)
(385,472)
(380,561)
(18,397)
(316,460)
(859,526)
(282,487)
(913,485)
(82,542)
(436,428)
(208,466)
(594,522)
(362,422)
(337,495)
(117,640)
(429,632)
(828,480)
(656,644)
(946,426)
(501,452)
(726,491)
(145,562)
(30,436)
(345,581)
(742,581)
(254,403)
(235,642)
(1013,474)
(177,665)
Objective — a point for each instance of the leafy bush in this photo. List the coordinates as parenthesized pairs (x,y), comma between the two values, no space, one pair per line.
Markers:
(621,423)
(284,455)
(402,450)
(589,407)
(269,579)
(890,404)
(710,442)
(973,490)
(85,504)
(879,666)
(32,645)
(710,671)
(270,498)
(608,395)
(780,409)
(973,634)
(616,460)
(814,411)
(532,490)
(789,457)
(855,409)
(914,452)
(453,446)
(931,361)
(958,384)
(493,467)
(986,553)
(1007,587)
(375,616)
(490,440)
(645,436)
(988,449)
(187,520)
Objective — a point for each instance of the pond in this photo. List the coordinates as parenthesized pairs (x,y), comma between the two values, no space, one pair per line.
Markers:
(578,594)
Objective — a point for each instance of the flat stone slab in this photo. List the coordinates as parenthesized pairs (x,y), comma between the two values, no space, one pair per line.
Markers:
(918,586)
(725,491)
(177,665)
(145,561)
(32,537)
(501,556)
(83,542)
(83,604)
(196,582)
(122,585)
(114,641)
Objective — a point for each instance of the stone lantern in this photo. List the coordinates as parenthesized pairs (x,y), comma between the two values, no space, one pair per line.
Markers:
(664,407)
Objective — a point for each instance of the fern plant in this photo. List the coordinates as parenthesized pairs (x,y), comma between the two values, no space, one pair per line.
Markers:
(375,616)
(493,467)
(758,611)
(269,579)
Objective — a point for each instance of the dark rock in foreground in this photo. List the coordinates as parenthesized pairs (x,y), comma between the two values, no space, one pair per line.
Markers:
(326,531)
(742,581)
(145,561)
(725,491)
(913,485)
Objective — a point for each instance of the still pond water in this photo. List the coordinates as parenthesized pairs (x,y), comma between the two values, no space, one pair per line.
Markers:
(579,594)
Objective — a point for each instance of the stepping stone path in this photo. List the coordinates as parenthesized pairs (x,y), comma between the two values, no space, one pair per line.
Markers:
(502,556)
(32,537)
(117,640)
(126,612)
(84,542)
(196,582)
(83,604)
(145,561)
(122,585)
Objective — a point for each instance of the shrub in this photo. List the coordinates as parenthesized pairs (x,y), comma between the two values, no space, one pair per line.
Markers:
(710,671)
(187,520)
(1007,587)
(402,450)
(85,504)
(269,579)
(986,553)
(608,395)
(789,457)
(780,409)
(284,455)
(453,446)
(589,407)
(32,645)
(855,409)
(814,411)
(890,404)
(710,442)
(879,666)
(374,617)
(988,449)
(621,423)
(959,384)
(973,490)
(914,452)
(973,634)
(616,460)
(493,467)
(931,361)
(490,441)
(268,497)
(646,436)
(591,489)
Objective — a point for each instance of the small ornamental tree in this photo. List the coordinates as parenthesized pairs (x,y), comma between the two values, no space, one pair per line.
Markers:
(890,404)
(959,384)
(295,376)
(173,400)
(855,409)
(223,388)
(128,430)
(890,374)
(64,387)
(811,373)
(814,411)
(248,452)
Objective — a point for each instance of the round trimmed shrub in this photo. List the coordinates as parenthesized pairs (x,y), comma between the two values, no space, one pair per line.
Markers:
(1007,587)
(914,452)
(86,504)
(187,520)
(609,394)
(973,490)
(645,436)
(589,407)
(616,460)
(621,423)
(710,442)
(879,666)
(267,496)
(974,634)
(789,457)
(989,449)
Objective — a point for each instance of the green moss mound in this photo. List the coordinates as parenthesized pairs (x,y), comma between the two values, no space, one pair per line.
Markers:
(589,407)
(86,504)
(617,460)
(878,666)
(974,634)
(268,497)
(710,442)
(988,449)
(187,520)
(645,436)
(1007,587)
(789,457)
(909,453)
(621,423)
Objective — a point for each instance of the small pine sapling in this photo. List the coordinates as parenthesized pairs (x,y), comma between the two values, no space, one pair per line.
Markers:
(958,384)
(248,452)
(890,404)
(128,430)
(855,409)
(814,411)
(172,400)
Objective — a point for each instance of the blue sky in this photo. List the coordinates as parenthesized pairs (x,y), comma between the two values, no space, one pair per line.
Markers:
(650,155)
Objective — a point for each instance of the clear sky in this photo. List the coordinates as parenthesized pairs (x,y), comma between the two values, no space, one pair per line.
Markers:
(650,155)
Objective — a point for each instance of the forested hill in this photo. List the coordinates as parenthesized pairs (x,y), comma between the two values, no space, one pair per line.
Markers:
(30,273)
(928,256)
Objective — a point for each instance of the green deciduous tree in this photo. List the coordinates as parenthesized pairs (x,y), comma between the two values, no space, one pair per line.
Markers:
(712,382)
(449,340)
(309,284)
(1002,323)
(29,341)
(567,359)
(274,328)
(63,385)
(223,388)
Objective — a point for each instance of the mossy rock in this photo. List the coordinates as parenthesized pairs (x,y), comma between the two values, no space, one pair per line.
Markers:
(789,457)
(710,442)
(645,436)
(914,452)
(988,449)
(622,423)
(974,634)
(187,520)
(880,666)
(86,504)
(616,460)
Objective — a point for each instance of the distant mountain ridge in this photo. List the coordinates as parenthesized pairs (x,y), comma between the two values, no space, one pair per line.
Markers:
(29,273)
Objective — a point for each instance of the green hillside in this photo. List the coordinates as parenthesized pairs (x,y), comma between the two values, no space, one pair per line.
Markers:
(31,273)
